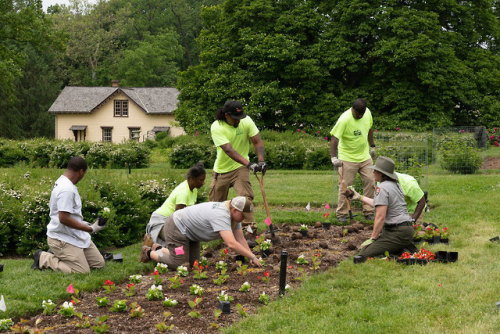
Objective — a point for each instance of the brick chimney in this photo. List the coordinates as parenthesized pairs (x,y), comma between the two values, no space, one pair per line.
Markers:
(114,83)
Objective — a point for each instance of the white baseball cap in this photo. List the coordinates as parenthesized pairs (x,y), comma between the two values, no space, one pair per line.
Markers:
(241,203)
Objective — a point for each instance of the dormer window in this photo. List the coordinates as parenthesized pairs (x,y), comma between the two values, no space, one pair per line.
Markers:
(121,108)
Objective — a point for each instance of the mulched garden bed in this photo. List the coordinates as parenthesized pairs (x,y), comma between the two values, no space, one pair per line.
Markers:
(334,245)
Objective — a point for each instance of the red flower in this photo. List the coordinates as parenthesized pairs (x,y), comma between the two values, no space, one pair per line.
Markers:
(266,274)
(326,215)
(182,281)
(298,130)
(258,277)
(326,138)
(289,267)
(155,272)
(108,282)
(226,251)
(196,264)
(130,285)
(73,302)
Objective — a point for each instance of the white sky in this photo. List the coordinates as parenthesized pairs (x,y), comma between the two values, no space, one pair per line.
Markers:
(47,3)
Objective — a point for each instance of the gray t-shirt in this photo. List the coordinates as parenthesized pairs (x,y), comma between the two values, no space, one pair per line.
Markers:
(203,222)
(390,194)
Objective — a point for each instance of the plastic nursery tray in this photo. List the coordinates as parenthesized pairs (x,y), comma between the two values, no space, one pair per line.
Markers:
(118,257)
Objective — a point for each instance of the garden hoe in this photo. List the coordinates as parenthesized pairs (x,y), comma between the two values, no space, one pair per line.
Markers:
(344,188)
(274,239)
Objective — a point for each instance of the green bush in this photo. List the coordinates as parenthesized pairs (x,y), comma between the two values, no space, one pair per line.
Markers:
(11,153)
(285,155)
(186,155)
(62,153)
(39,151)
(36,217)
(130,155)
(99,155)
(458,157)
(318,158)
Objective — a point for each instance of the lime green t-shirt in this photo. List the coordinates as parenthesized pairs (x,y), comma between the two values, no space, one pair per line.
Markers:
(180,195)
(223,133)
(411,189)
(353,136)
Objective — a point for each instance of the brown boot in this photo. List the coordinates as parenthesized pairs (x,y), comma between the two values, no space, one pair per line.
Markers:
(144,258)
(148,241)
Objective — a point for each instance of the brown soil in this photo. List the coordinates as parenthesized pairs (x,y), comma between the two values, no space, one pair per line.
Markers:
(491,163)
(328,242)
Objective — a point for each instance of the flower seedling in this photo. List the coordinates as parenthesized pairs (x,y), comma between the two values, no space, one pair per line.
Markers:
(176,282)
(245,287)
(161,268)
(302,260)
(102,302)
(265,245)
(155,292)
(222,278)
(48,307)
(104,213)
(242,268)
(316,260)
(136,311)
(73,294)
(169,302)
(194,313)
(135,279)
(157,277)
(223,297)
(215,325)
(199,273)
(241,311)
(162,326)
(221,265)
(344,233)
(6,324)
(303,275)
(68,310)
(265,278)
(303,228)
(223,252)
(101,326)
(119,306)
(288,288)
(445,233)
(129,291)
(264,298)
(84,324)
(259,240)
(109,286)
(196,290)
(204,262)
(182,271)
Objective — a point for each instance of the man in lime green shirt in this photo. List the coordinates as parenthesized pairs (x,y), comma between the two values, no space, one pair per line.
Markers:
(351,149)
(232,132)
(414,196)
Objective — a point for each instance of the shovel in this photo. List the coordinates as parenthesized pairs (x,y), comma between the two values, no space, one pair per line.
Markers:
(344,188)
(274,240)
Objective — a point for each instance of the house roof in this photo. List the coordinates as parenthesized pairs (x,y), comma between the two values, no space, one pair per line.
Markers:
(153,100)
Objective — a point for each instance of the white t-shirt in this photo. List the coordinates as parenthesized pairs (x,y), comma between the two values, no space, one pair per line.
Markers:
(203,222)
(65,197)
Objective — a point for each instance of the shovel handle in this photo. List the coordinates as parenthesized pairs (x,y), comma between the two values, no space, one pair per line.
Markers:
(261,183)
(344,188)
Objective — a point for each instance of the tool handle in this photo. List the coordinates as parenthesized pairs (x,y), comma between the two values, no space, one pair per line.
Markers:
(344,188)
(261,183)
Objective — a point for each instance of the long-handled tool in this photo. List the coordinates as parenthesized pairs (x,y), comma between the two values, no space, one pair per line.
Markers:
(261,183)
(344,188)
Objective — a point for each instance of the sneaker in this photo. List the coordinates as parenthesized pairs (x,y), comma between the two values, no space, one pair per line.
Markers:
(144,258)
(342,219)
(148,241)
(369,217)
(36,258)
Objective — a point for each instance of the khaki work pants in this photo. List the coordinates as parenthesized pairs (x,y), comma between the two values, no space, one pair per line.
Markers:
(239,179)
(174,238)
(393,240)
(348,172)
(71,259)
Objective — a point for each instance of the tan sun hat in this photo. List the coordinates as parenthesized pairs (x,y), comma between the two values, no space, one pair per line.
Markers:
(385,166)
(241,203)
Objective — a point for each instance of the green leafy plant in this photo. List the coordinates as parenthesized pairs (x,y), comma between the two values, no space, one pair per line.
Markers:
(102,301)
(302,260)
(221,265)
(198,271)
(264,298)
(119,306)
(196,290)
(223,252)
(303,275)
(316,260)
(67,310)
(303,228)
(224,297)
(84,324)
(5,324)
(241,311)
(155,292)
(157,278)
(222,278)
(169,302)
(161,268)
(242,268)
(162,326)
(109,286)
(129,291)
(203,262)
(101,326)
(214,325)
(48,307)
(193,304)
(135,279)
(182,271)
(136,311)
(245,287)
(176,282)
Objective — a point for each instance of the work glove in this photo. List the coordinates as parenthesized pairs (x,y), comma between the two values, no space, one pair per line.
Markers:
(336,162)
(96,227)
(367,242)
(253,167)
(352,194)
(373,153)
(263,167)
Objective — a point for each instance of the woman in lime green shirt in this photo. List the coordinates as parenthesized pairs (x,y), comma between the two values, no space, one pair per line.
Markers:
(183,195)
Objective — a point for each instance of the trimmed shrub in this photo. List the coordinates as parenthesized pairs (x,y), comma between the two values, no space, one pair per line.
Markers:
(188,154)
(285,155)
(35,219)
(99,155)
(11,153)
(460,158)
(39,151)
(318,158)
(130,155)
(62,153)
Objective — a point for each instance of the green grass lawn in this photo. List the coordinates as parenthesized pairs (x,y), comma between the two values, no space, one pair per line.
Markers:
(374,297)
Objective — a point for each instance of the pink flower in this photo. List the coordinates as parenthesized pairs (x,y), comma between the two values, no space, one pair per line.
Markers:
(196,133)
(495,129)
(326,138)
(71,289)
(318,132)
(397,129)
(463,131)
(298,130)
(491,137)
(496,144)
(303,131)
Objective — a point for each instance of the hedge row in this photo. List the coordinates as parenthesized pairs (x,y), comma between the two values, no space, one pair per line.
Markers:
(24,209)
(55,153)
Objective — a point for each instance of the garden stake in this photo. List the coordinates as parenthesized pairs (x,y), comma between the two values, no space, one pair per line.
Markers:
(284,257)
(344,188)
(274,240)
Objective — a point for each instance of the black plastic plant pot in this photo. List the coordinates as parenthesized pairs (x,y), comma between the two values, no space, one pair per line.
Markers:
(359,259)
(411,261)
(442,256)
(265,253)
(1,268)
(436,239)
(101,221)
(224,306)
(452,256)
(240,258)
(403,261)
(422,262)
(304,233)
(495,239)
(326,226)
(118,257)
(444,241)
(429,241)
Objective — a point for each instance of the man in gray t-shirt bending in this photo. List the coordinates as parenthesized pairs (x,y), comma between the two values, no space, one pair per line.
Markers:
(184,229)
